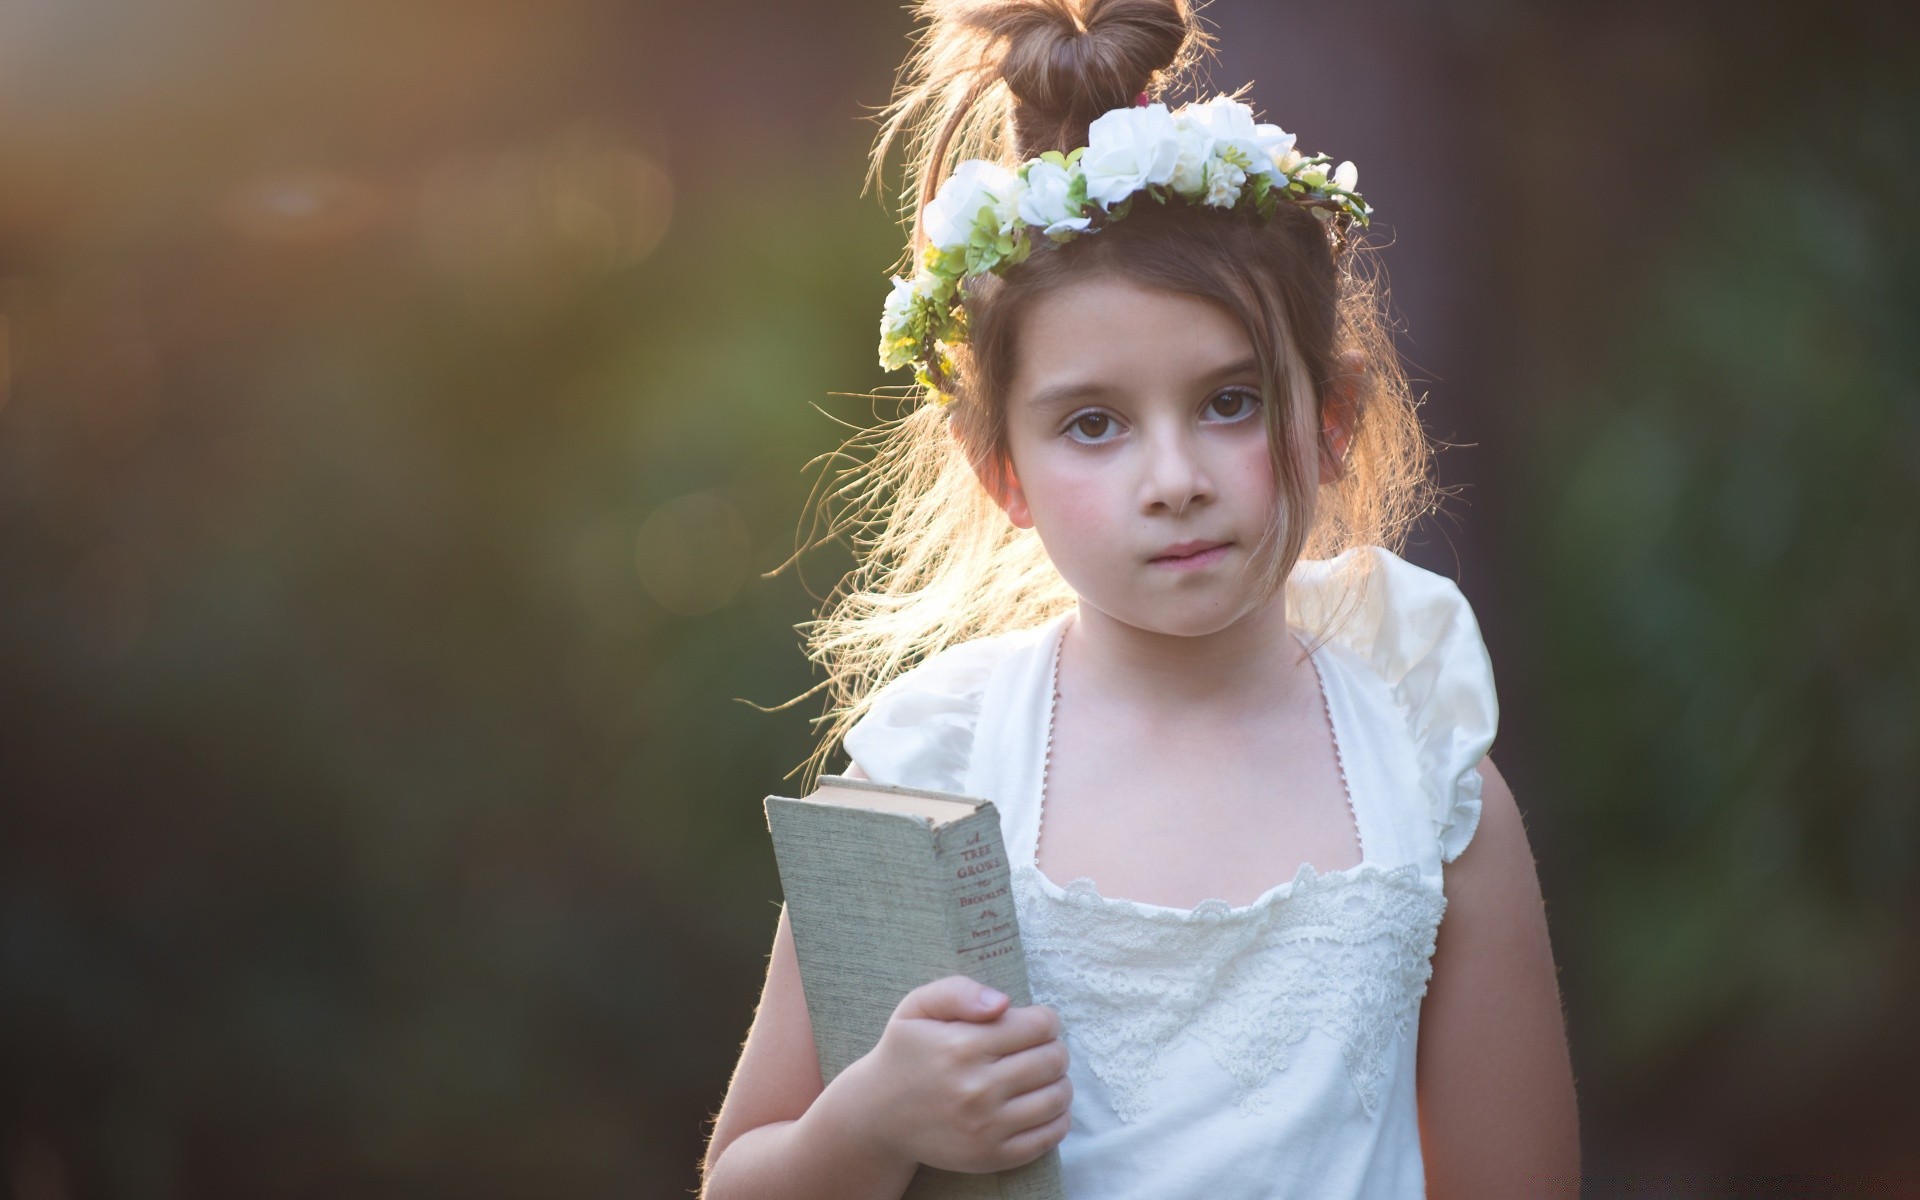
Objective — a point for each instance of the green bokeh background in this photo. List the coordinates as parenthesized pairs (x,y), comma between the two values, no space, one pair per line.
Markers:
(408,415)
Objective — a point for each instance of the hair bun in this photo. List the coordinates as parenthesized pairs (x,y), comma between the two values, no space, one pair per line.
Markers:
(1067,62)
(1007,80)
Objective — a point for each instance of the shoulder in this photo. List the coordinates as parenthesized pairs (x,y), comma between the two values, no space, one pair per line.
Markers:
(1415,630)
(1501,865)
(918,729)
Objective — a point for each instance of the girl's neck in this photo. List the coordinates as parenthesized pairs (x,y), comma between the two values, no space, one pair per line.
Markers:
(1235,670)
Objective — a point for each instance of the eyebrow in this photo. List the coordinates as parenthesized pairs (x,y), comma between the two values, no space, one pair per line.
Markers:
(1060,395)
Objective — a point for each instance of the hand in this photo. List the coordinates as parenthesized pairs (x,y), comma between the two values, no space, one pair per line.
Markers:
(962,1084)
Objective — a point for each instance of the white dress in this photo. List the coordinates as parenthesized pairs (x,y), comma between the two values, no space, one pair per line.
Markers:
(1265,1050)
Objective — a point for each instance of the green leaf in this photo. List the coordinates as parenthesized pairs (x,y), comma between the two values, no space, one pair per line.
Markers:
(945,265)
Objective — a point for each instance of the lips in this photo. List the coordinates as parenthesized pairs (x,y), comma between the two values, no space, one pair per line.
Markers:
(1187,549)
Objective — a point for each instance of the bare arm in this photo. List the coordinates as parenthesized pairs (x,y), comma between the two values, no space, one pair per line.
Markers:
(771,1138)
(780,1133)
(1498,1115)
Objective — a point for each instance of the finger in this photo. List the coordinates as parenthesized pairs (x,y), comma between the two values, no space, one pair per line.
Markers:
(1019,1028)
(1034,1067)
(1030,1144)
(953,998)
(1038,1107)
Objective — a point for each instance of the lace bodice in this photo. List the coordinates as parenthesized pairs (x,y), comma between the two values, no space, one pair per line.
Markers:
(1260,1050)
(1346,953)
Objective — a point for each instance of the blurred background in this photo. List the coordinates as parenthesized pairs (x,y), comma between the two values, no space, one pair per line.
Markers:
(404,409)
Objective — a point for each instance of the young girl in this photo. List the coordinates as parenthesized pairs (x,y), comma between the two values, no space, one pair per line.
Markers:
(1136,540)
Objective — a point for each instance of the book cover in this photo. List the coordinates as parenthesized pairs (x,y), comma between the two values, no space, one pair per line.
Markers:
(888,888)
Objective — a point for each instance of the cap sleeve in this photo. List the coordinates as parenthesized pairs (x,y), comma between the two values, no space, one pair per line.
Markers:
(1417,631)
(918,732)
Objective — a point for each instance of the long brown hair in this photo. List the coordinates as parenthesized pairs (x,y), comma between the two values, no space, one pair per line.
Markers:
(940,564)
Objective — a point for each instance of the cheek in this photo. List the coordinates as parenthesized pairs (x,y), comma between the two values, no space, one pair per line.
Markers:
(1075,500)
(1252,469)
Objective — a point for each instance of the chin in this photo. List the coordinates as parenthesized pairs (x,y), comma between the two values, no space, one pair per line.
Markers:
(1200,626)
(1197,621)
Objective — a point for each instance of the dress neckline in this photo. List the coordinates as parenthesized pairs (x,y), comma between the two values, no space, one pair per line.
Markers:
(1083,889)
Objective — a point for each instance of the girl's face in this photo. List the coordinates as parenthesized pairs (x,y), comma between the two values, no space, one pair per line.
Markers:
(1136,427)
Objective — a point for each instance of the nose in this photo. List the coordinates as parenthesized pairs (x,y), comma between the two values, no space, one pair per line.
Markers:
(1175,474)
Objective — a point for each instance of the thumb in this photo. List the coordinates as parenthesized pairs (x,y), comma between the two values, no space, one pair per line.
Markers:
(954,998)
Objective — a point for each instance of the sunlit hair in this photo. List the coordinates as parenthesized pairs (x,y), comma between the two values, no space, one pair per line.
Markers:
(939,562)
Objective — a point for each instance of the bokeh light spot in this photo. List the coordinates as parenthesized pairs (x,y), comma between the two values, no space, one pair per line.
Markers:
(693,553)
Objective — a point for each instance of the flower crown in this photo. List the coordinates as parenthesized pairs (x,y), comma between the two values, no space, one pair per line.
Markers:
(986,218)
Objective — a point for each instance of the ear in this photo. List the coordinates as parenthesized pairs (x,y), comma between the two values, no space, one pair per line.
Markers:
(1016,503)
(1003,484)
(1339,414)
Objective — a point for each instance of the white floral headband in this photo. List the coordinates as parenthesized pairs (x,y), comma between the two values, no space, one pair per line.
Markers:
(985,217)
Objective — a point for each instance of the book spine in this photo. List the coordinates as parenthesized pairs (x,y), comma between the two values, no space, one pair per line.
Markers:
(985,936)
(982,929)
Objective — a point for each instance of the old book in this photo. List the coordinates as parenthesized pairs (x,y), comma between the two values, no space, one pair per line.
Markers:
(888,888)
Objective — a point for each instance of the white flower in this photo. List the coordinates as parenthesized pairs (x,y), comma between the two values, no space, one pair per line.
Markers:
(1008,200)
(896,326)
(1220,145)
(1278,145)
(1190,164)
(899,306)
(1346,177)
(974,184)
(1045,200)
(1224,181)
(1229,129)
(1127,150)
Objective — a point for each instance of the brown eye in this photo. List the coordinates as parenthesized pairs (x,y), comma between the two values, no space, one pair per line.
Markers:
(1237,402)
(1080,423)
